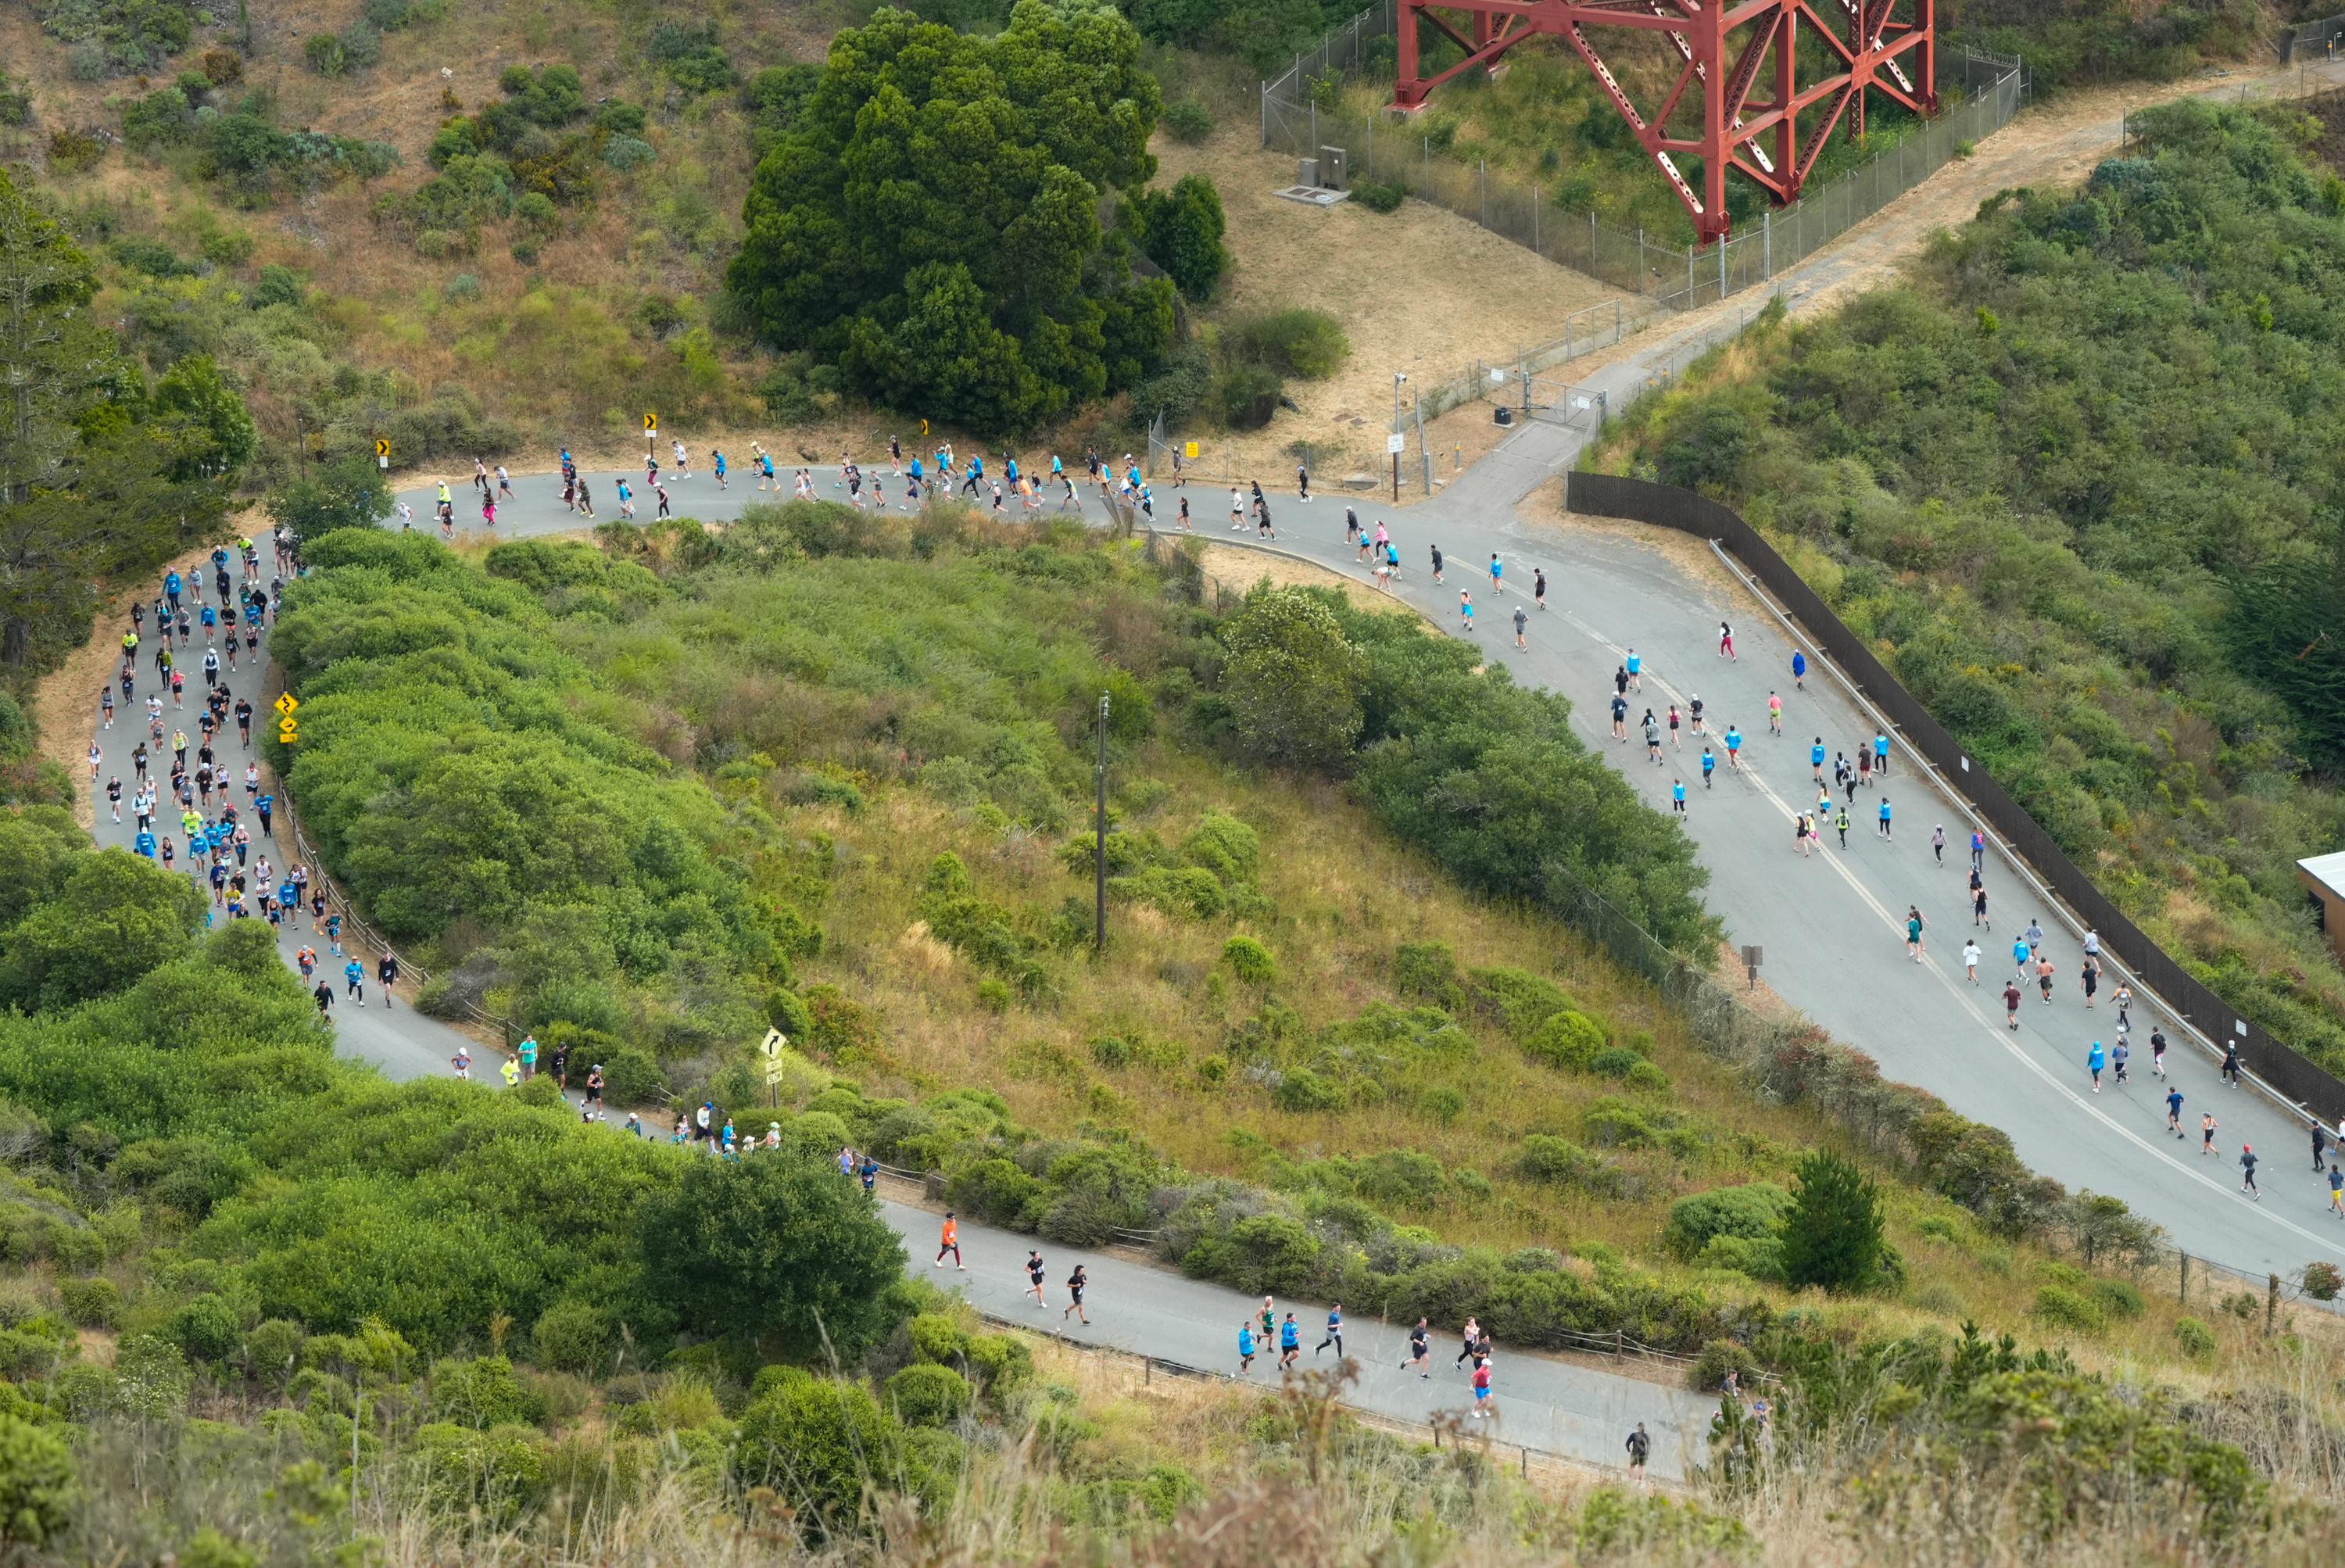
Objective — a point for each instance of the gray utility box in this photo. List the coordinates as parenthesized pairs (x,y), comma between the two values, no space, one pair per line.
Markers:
(1335,172)
(1307,171)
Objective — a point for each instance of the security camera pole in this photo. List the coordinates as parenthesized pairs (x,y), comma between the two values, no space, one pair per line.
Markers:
(1099,844)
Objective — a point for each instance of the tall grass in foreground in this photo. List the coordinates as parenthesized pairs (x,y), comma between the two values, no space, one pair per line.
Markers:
(1283,1479)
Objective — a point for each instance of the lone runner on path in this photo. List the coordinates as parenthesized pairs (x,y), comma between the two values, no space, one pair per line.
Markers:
(951,1240)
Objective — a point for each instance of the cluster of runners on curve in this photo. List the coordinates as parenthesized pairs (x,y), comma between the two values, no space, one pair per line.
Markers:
(222,853)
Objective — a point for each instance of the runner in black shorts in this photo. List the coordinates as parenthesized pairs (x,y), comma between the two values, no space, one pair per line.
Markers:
(1075,1283)
(1034,1274)
(1420,1349)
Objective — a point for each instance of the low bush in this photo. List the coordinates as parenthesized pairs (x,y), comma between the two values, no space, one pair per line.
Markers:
(1379,196)
(1188,120)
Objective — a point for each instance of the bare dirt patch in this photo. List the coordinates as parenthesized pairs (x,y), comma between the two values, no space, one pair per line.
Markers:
(1420,291)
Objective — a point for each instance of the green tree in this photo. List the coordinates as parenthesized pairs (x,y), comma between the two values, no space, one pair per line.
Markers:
(98,479)
(118,917)
(351,495)
(930,217)
(777,1248)
(1181,231)
(1294,680)
(1831,1237)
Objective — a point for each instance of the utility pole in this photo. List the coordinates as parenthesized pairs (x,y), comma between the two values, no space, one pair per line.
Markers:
(1099,843)
(1394,444)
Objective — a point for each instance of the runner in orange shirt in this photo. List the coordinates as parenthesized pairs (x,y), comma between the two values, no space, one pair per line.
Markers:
(951,1244)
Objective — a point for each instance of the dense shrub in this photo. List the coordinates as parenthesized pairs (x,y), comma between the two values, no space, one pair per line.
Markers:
(1304,341)
(1188,120)
(1754,1212)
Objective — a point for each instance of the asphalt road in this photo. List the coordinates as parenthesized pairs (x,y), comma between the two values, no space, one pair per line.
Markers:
(1832,924)
(400,1041)
(1552,1406)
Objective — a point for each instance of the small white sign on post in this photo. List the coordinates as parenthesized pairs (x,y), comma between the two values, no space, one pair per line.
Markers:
(1498,374)
(1396,443)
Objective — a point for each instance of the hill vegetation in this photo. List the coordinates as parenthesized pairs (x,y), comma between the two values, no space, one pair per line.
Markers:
(2076,477)
(828,771)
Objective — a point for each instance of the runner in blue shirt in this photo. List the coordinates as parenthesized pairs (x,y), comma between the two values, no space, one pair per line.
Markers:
(354,978)
(1245,1347)
(1816,758)
(1496,570)
(1884,816)
(1634,666)
(144,843)
(1798,670)
(1290,1343)
(172,585)
(1677,795)
(1733,746)
(1708,766)
(1334,1330)
(718,457)
(1880,754)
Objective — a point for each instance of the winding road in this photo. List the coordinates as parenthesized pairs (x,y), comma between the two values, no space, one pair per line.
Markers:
(1832,923)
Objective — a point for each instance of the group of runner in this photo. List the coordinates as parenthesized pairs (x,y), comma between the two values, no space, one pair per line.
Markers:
(222,855)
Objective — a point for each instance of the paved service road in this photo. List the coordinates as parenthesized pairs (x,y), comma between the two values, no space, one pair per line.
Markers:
(1554,1407)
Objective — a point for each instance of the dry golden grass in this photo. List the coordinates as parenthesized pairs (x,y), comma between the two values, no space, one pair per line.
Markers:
(1345,895)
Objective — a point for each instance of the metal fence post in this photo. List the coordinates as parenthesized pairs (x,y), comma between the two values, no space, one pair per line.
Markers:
(1767,245)
(1265,114)
(1535,207)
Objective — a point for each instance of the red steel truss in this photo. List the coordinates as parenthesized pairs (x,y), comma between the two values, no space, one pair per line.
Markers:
(1726,50)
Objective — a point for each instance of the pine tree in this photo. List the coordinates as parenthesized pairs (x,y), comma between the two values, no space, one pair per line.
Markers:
(1832,1236)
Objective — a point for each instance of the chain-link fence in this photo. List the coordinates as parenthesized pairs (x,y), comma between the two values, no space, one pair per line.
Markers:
(2311,41)
(1666,275)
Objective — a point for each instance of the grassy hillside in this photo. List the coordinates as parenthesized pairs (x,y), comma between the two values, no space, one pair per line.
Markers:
(832,775)
(2076,479)
(1330,1045)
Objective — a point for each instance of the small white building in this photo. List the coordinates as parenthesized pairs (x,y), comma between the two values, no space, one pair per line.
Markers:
(2325,875)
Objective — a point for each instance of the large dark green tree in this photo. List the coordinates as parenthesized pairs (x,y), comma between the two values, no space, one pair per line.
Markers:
(930,219)
(100,477)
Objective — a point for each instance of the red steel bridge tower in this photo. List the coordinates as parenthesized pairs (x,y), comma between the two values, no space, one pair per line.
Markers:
(1727,52)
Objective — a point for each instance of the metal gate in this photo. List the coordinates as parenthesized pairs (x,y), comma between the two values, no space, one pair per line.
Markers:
(1559,402)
